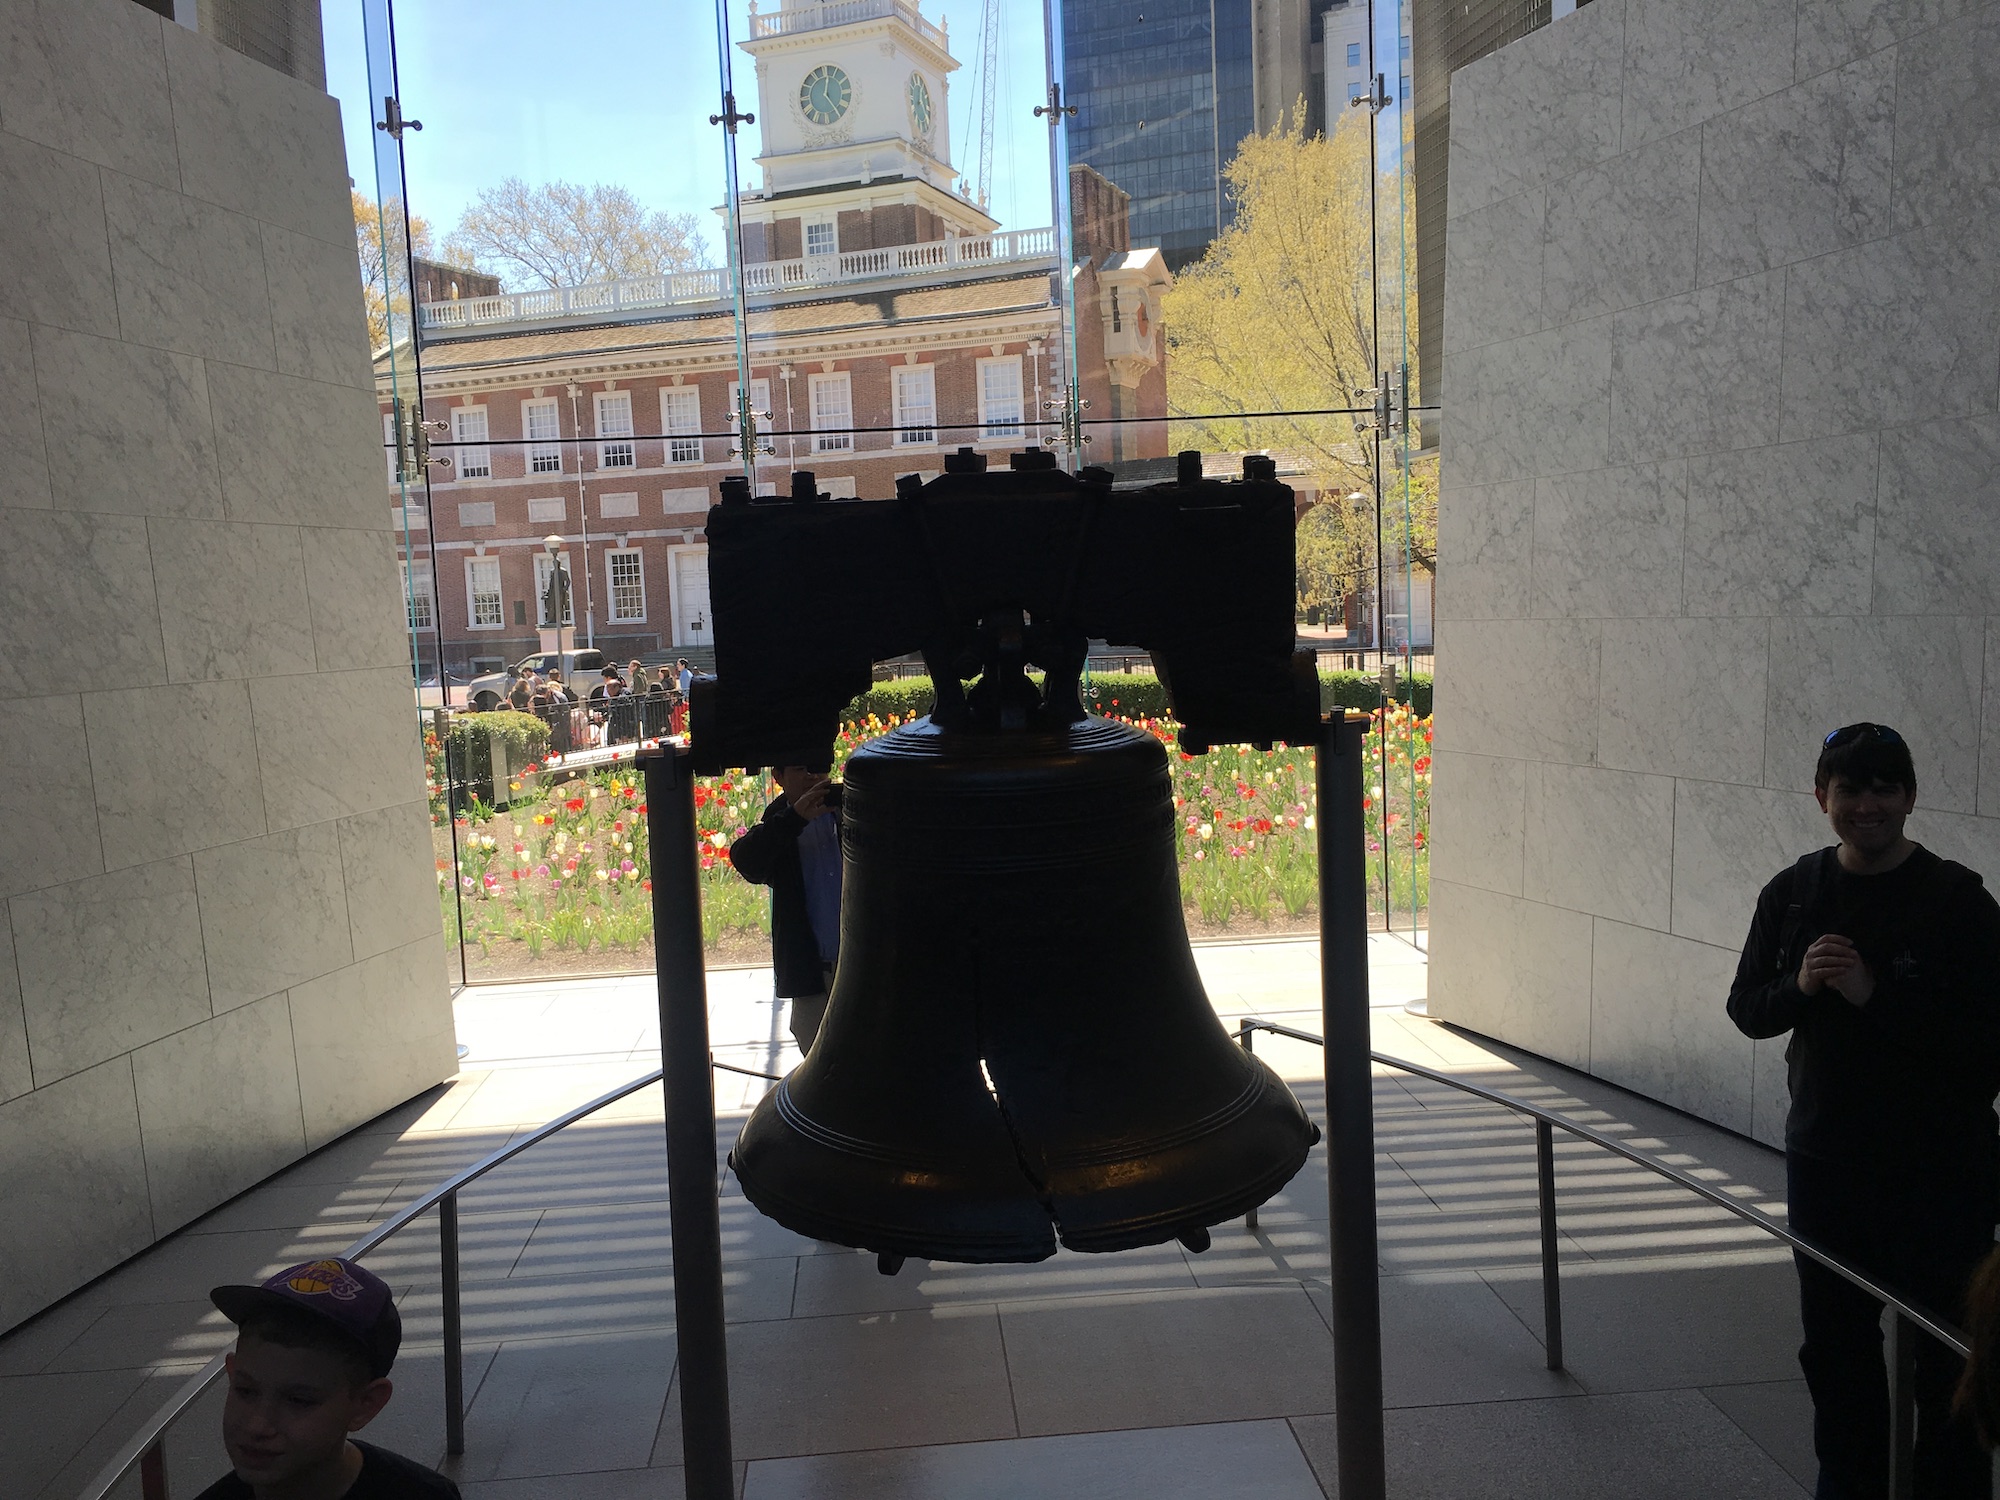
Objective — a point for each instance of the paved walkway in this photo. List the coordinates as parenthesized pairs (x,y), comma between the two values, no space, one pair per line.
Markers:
(1154,1373)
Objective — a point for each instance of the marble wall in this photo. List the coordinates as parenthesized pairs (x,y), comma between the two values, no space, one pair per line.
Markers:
(1721,471)
(219,944)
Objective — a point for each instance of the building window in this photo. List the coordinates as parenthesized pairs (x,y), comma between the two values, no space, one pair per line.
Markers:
(1354,54)
(548,508)
(760,409)
(821,239)
(468,425)
(543,568)
(482,593)
(417,595)
(614,421)
(543,426)
(1000,397)
(1403,48)
(916,405)
(1117,318)
(389,446)
(832,412)
(628,586)
(680,419)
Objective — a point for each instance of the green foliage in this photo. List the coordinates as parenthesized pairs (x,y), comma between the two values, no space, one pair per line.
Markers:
(468,747)
(1140,695)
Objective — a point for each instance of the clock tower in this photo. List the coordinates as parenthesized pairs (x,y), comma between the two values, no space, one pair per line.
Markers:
(851,100)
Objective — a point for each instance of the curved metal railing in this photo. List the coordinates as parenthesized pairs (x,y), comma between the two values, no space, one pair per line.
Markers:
(146,1450)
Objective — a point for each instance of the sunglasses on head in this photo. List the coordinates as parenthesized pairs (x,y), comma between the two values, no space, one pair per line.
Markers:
(1848,734)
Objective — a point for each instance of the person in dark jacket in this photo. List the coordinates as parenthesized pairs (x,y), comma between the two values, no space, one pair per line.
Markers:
(795,850)
(1883,962)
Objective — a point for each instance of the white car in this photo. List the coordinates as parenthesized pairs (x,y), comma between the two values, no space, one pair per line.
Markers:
(582,670)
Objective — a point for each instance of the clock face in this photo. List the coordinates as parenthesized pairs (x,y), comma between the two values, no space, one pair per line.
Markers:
(825,95)
(1145,324)
(920,104)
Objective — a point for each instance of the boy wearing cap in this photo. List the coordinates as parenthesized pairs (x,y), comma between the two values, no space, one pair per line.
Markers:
(314,1348)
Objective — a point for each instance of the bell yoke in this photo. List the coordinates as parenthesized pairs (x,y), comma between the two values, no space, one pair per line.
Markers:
(1017,1048)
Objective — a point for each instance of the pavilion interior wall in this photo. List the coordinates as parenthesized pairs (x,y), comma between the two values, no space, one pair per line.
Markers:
(219,942)
(1721,471)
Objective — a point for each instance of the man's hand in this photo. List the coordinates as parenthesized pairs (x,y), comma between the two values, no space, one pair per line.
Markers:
(1833,960)
(811,802)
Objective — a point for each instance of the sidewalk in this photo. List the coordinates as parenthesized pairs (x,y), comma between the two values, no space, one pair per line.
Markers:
(1154,1373)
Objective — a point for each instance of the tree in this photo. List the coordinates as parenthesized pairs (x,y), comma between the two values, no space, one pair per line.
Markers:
(1280,316)
(564,234)
(385,264)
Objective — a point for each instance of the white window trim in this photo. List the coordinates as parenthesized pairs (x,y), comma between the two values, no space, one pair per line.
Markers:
(806,228)
(473,564)
(1009,430)
(831,442)
(535,449)
(625,439)
(904,428)
(416,579)
(389,449)
(462,455)
(611,584)
(678,428)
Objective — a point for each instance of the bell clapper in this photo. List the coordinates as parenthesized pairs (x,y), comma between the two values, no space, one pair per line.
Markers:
(888,1264)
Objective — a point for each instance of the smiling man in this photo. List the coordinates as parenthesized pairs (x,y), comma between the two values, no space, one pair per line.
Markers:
(1883,962)
(314,1348)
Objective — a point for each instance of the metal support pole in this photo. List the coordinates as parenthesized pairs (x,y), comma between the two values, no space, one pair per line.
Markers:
(1545,1184)
(693,1205)
(454,1326)
(153,1472)
(1350,1109)
(1903,1336)
(1246,1037)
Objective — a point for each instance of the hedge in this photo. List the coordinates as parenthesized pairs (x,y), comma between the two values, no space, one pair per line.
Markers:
(468,744)
(1140,694)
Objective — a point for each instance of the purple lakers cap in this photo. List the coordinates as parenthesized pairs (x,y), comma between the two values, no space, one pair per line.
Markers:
(343,1292)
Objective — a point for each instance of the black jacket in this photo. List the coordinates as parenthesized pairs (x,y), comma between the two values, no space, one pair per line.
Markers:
(769,855)
(1908,1080)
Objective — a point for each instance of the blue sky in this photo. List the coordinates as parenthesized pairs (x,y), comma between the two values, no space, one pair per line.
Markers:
(620,91)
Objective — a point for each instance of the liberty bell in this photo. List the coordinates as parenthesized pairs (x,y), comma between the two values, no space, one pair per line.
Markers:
(1018,1049)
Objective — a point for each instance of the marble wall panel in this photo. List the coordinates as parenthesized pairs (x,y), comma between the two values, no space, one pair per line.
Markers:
(358,615)
(53,241)
(336,743)
(54,1143)
(1493,259)
(1658,1023)
(391,885)
(1729,842)
(190,275)
(218,1109)
(1973,842)
(1608,544)
(1989,727)
(1622,233)
(1482,801)
(1684,698)
(1537,110)
(1787,529)
(175,769)
(1948,122)
(1687,61)
(1799,174)
(48,817)
(1921,674)
(233,600)
(24,455)
(1600,842)
(89,78)
(1486,546)
(136,435)
(254,140)
(273,913)
(292,451)
(316,309)
(1513,969)
(1520,688)
(80,608)
(108,964)
(1770,1091)
(1899,330)
(1529,406)
(1832,32)
(370,1036)
(1937,544)
(16,1072)
(1697,373)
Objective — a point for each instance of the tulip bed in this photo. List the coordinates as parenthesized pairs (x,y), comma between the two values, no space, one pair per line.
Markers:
(566,872)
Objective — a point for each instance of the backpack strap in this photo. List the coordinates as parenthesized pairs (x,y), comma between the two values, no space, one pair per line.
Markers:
(1806,877)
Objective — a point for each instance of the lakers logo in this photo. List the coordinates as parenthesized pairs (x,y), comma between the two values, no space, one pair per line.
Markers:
(324,1278)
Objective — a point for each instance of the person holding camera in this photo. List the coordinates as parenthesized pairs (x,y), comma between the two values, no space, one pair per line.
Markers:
(795,850)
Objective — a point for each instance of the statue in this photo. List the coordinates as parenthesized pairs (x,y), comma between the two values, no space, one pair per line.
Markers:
(555,598)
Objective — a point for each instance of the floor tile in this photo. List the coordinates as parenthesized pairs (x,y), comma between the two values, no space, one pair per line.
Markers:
(489,1247)
(1778,1417)
(28,1347)
(611,1484)
(413,1423)
(850,1283)
(1228,1461)
(281,1204)
(46,1419)
(569,1405)
(523,1307)
(1157,1359)
(149,1333)
(1447,1342)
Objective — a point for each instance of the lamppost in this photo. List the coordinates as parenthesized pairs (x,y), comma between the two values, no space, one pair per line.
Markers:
(556,599)
(583,508)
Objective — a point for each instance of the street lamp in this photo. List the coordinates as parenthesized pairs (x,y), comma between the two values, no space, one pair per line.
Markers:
(583,508)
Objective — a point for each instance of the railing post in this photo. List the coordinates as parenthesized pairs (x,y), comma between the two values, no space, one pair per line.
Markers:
(1350,1111)
(454,1326)
(1545,1184)
(1903,1338)
(1246,1036)
(153,1471)
(693,1205)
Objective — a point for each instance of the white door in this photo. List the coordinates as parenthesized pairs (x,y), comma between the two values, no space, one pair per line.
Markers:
(692,625)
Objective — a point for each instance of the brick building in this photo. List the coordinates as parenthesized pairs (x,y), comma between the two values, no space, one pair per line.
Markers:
(890,323)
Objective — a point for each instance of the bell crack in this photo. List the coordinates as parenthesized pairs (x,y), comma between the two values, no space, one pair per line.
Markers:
(1034,1179)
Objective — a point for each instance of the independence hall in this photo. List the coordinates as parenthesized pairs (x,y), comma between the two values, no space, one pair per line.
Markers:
(891,322)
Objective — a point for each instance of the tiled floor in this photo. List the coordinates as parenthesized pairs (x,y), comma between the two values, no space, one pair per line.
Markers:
(1155,1373)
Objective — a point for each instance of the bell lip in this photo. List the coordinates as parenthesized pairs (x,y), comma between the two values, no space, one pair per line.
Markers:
(975,1249)
(1167,1225)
